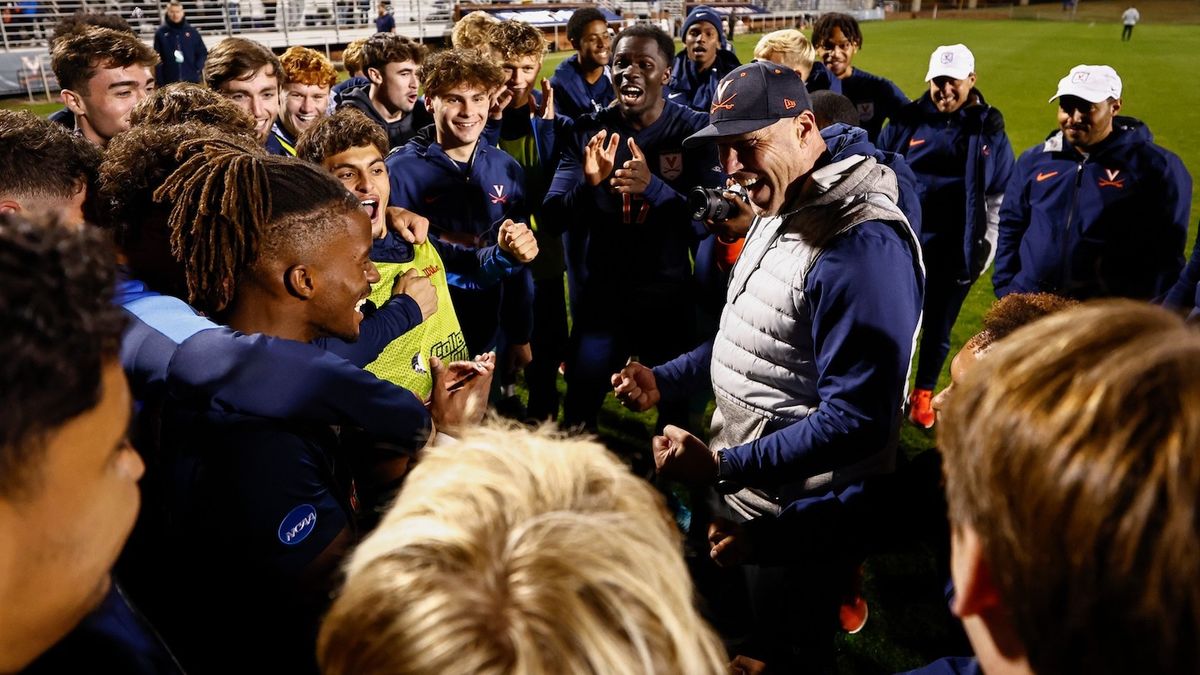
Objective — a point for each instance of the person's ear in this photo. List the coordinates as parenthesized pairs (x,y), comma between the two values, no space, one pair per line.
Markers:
(975,591)
(375,76)
(972,78)
(10,206)
(74,101)
(806,126)
(1116,106)
(299,281)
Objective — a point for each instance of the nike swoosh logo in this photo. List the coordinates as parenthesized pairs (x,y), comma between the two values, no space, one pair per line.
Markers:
(430,200)
(1044,176)
(915,142)
(675,94)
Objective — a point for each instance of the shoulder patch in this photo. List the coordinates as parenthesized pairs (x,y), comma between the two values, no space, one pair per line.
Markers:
(297,525)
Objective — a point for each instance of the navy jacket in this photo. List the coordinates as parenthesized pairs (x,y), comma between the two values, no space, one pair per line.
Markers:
(573,96)
(635,243)
(399,132)
(1109,224)
(467,208)
(170,350)
(356,81)
(844,140)
(1185,294)
(695,89)
(877,99)
(182,37)
(385,23)
(962,161)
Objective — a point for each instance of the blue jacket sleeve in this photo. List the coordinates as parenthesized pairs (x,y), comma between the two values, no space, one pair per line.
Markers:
(378,329)
(475,268)
(865,297)
(1176,201)
(1014,220)
(284,379)
(686,373)
(516,312)
(1182,295)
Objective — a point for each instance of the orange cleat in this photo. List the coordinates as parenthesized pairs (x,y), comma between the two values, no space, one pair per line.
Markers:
(920,408)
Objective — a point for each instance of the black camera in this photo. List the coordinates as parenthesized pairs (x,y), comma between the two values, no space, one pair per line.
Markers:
(711,203)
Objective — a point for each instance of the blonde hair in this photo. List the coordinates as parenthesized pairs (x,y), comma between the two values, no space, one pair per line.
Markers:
(1072,451)
(787,47)
(520,552)
(352,56)
(471,31)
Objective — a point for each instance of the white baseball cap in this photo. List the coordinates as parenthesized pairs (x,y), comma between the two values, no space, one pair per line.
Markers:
(1090,83)
(953,61)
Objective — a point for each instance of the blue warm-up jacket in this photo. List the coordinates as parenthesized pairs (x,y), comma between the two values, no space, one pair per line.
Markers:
(467,207)
(877,99)
(169,349)
(962,161)
(573,96)
(185,39)
(1185,294)
(1109,223)
(820,78)
(693,88)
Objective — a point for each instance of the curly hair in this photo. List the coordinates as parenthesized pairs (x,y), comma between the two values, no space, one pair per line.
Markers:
(43,160)
(823,28)
(334,134)
(238,59)
(471,31)
(383,48)
(180,102)
(60,328)
(307,66)
(1014,311)
(452,67)
(513,39)
(579,21)
(77,56)
(352,56)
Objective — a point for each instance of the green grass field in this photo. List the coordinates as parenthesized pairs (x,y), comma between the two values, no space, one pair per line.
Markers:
(1019,64)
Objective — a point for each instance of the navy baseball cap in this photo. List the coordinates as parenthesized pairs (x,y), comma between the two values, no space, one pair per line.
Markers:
(754,96)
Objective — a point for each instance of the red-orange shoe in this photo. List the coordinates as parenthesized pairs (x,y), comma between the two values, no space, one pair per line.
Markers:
(920,408)
(853,614)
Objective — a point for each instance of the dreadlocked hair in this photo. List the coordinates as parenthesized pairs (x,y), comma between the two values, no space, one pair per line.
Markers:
(224,201)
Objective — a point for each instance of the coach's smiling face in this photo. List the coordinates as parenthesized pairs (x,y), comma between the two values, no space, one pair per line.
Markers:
(1085,124)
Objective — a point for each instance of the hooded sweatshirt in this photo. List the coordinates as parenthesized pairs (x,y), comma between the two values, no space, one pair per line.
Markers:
(689,85)
(400,131)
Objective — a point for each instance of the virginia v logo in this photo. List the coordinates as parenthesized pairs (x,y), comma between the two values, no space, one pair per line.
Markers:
(498,196)
(719,101)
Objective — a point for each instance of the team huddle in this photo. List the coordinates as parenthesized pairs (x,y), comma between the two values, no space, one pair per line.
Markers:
(256,318)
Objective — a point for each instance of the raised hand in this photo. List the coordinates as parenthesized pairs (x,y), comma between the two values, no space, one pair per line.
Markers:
(634,175)
(418,287)
(680,456)
(546,109)
(636,387)
(411,227)
(600,157)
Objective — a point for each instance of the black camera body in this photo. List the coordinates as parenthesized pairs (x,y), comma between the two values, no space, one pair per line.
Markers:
(711,204)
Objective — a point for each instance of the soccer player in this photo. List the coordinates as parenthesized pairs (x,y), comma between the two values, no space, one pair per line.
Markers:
(68,476)
(472,193)
(838,38)
(790,48)
(622,179)
(261,511)
(307,77)
(703,61)
(393,65)
(528,132)
(956,144)
(44,169)
(583,82)
(103,74)
(352,149)
(248,74)
(1098,209)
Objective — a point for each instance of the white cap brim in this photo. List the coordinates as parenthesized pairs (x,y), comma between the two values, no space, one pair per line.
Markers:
(953,73)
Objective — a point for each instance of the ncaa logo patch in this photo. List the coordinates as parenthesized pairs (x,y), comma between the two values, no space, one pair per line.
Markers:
(297,525)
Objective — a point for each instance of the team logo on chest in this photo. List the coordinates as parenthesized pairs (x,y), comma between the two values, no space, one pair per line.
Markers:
(1111,179)
(670,165)
(498,196)
(866,111)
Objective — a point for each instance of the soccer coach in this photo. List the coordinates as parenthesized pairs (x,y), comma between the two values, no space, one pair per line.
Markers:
(811,359)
